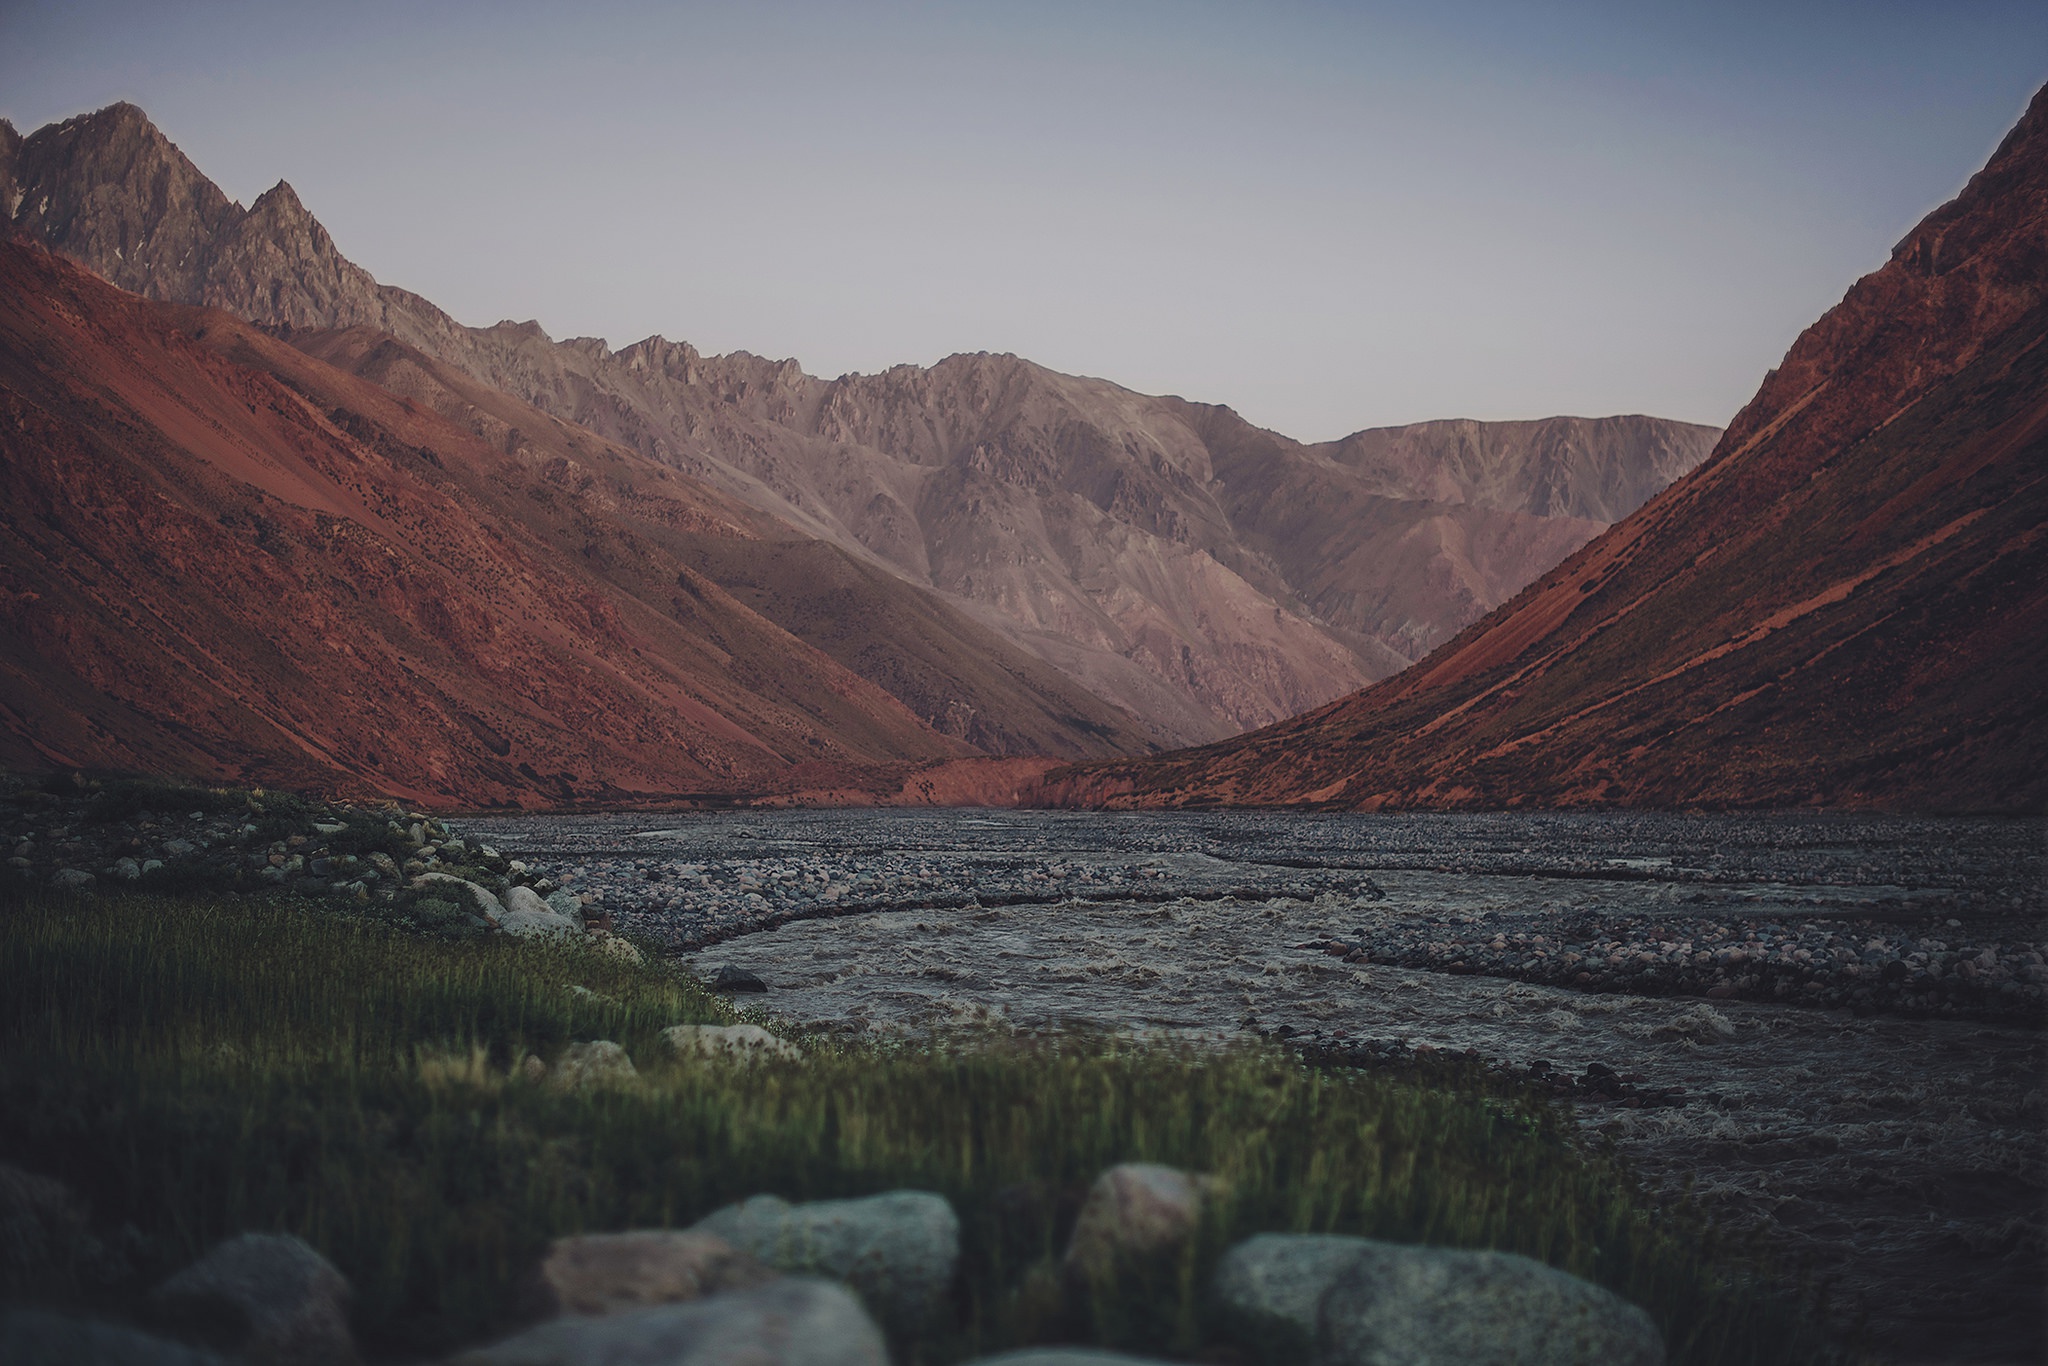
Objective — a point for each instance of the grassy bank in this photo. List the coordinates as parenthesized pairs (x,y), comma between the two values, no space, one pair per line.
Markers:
(199,1067)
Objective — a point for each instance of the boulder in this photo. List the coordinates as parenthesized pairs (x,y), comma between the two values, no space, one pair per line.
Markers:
(731,978)
(597,1063)
(568,905)
(609,1273)
(1359,1302)
(466,894)
(266,1298)
(1136,1210)
(739,1043)
(46,1238)
(795,1321)
(526,916)
(898,1250)
(72,879)
(611,946)
(31,1337)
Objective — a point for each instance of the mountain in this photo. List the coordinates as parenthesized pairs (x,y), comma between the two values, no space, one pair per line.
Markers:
(1847,605)
(1168,557)
(226,559)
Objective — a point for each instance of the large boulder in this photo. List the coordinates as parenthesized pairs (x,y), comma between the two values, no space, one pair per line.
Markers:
(266,1298)
(1135,1211)
(737,1043)
(600,1062)
(796,1321)
(899,1250)
(46,1238)
(31,1337)
(1359,1302)
(526,916)
(479,900)
(610,1273)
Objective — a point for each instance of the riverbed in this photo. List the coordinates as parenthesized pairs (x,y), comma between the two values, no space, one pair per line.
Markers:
(1827,1028)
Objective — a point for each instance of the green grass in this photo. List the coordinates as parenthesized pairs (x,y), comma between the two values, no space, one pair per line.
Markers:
(201,1067)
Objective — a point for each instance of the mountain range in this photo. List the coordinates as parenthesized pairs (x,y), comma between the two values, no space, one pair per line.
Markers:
(1846,606)
(1133,572)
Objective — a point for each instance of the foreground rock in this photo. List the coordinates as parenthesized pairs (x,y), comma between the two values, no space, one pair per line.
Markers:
(267,1298)
(1134,1212)
(1358,1302)
(527,916)
(795,1321)
(899,1250)
(31,1337)
(611,1273)
(600,1062)
(739,1043)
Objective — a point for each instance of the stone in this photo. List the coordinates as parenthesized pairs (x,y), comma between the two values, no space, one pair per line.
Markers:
(599,1062)
(1360,1302)
(32,1337)
(46,1238)
(738,1043)
(266,1298)
(730,978)
(1135,1210)
(383,863)
(609,1273)
(611,946)
(566,904)
(72,880)
(898,1250)
(127,869)
(793,1321)
(477,899)
(526,916)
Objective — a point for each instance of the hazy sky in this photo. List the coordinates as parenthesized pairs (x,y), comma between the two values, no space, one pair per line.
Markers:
(1329,216)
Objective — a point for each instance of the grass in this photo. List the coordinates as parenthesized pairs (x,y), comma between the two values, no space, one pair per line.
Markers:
(198,1067)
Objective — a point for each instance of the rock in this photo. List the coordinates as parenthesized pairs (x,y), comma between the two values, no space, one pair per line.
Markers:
(46,1239)
(566,904)
(526,916)
(72,880)
(330,827)
(898,1250)
(127,869)
(1356,1301)
(266,1298)
(1135,1210)
(611,946)
(609,1273)
(597,1063)
(795,1321)
(31,1337)
(477,899)
(741,1043)
(383,863)
(730,978)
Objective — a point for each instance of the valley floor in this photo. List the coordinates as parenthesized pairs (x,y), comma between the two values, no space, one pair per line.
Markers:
(1897,1148)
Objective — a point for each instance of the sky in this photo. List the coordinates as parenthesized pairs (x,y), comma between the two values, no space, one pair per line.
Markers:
(1329,216)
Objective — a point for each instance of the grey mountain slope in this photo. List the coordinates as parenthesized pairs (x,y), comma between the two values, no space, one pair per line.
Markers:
(1169,557)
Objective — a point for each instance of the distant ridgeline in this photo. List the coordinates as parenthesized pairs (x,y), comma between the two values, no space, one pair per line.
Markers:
(980,557)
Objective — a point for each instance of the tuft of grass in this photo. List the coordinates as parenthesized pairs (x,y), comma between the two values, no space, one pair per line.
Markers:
(203,1067)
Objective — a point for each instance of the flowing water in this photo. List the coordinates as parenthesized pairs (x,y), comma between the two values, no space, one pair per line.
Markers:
(1898,1152)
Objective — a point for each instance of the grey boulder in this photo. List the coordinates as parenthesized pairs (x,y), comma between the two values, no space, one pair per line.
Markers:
(31,1337)
(479,900)
(898,1250)
(795,1321)
(610,1273)
(1359,1302)
(599,1062)
(526,916)
(266,1298)
(1135,1210)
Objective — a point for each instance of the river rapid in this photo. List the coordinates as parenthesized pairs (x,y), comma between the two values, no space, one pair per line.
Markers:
(1828,1028)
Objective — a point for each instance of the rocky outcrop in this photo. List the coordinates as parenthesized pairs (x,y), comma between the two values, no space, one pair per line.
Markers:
(1846,606)
(1164,556)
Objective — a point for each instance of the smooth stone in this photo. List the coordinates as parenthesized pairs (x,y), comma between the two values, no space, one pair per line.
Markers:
(1360,1302)
(127,869)
(730,978)
(526,916)
(899,1250)
(741,1043)
(611,946)
(795,1321)
(568,905)
(72,879)
(481,900)
(1135,1209)
(266,1298)
(599,1062)
(33,1337)
(610,1273)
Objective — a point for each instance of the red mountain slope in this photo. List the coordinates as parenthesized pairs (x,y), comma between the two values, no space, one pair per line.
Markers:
(1846,605)
(223,558)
